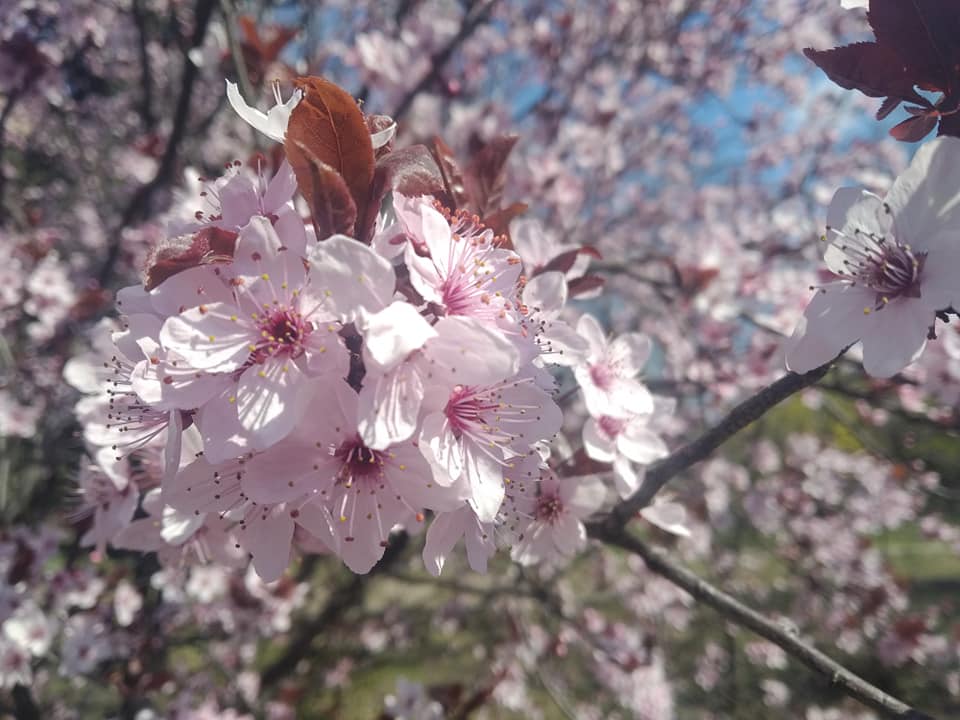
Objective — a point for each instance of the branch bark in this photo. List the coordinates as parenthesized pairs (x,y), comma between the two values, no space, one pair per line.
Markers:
(851,684)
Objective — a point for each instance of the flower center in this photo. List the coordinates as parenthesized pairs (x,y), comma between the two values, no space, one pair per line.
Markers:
(282,332)
(359,461)
(611,426)
(890,268)
(463,410)
(549,508)
(603,375)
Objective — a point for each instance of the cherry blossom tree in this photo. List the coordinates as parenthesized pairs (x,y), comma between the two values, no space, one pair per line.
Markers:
(477,358)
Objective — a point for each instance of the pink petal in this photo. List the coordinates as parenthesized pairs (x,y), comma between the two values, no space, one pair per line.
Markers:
(389,406)
(895,337)
(209,337)
(442,536)
(267,538)
(925,199)
(350,276)
(630,352)
(597,444)
(393,333)
(271,399)
(195,286)
(833,320)
(467,352)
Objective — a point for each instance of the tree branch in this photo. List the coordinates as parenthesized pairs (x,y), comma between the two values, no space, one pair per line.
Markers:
(662,472)
(24,706)
(139,206)
(4,116)
(146,70)
(851,684)
(474,18)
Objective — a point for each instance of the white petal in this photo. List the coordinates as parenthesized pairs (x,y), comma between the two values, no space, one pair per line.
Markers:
(391,334)
(833,320)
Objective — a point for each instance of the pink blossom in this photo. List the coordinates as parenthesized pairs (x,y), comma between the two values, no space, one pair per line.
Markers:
(461,270)
(896,261)
(622,441)
(555,510)
(274,334)
(608,374)
(475,432)
(445,532)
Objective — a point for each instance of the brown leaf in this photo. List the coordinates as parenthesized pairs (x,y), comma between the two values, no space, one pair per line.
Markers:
(916,128)
(565,260)
(269,50)
(327,127)
(456,189)
(410,171)
(486,174)
(585,284)
(331,205)
(209,245)
(499,221)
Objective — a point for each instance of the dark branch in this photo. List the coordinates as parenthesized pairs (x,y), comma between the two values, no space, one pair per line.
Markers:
(852,685)
(4,116)
(693,452)
(146,69)
(139,206)
(473,19)
(24,706)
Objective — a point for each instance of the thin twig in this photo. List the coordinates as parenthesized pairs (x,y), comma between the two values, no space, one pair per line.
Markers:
(4,116)
(851,684)
(139,205)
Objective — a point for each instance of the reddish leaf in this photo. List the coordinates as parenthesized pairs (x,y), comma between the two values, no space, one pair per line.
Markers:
(917,46)
(916,128)
(453,181)
(328,128)
(410,171)
(925,34)
(331,205)
(269,50)
(258,53)
(887,107)
(868,67)
(584,285)
(209,245)
(486,174)
(950,124)
(564,261)
(499,222)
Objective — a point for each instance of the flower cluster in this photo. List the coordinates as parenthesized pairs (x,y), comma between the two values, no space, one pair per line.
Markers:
(270,387)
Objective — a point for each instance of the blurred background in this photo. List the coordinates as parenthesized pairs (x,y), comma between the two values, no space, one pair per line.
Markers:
(694,147)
